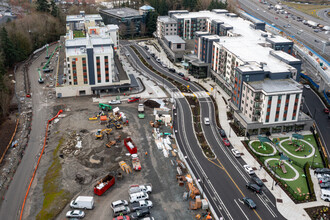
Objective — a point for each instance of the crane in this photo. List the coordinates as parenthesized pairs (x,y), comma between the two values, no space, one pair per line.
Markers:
(47,56)
(40,80)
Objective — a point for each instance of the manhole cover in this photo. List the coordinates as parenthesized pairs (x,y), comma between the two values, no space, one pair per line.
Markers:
(279,200)
(264,180)
(254,168)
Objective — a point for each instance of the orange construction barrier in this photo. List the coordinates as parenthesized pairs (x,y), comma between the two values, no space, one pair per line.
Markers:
(35,169)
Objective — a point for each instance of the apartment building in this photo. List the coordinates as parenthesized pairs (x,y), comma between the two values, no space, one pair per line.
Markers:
(166,26)
(78,22)
(254,67)
(87,63)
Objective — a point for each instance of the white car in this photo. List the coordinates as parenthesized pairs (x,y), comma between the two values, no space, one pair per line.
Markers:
(114,102)
(118,203)
(307,87)
(206,121)
(75,214)
(248,169)
(236,152)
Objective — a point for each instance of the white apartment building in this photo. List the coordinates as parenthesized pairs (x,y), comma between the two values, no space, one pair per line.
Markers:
(166,26)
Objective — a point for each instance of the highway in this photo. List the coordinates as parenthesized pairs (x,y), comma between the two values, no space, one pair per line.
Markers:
(223,179)
(307,36)
(323,13)
(314,106)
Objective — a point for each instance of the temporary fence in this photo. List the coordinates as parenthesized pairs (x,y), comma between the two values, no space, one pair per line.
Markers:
(36,168)
(11,140)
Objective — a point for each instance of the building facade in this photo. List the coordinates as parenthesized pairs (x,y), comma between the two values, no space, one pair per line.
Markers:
(166,26)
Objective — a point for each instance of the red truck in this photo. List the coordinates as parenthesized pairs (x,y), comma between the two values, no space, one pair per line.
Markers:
(131,147)
(104,184)
(136,162)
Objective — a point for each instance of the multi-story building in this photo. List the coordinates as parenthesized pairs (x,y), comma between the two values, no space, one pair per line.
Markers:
(166,26)
(87,64)
(129,20)
(145,9)
(78,22)
(254,67)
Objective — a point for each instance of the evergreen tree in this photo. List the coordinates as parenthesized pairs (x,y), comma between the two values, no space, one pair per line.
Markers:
(151,22)
(42,5)
(7,47)
(54,9)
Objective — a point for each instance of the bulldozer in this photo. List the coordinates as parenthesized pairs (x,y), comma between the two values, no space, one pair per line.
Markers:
(99,133)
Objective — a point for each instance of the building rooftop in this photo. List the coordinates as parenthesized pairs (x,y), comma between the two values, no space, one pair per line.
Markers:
(77,46)
(146,7)
(276,86)
(220,11)
(166,19)
(122,12)
(212,37)
(278,39)
(174,39)
(71,18)
(285,56)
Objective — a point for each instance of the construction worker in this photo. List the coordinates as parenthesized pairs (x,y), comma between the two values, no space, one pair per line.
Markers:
(146,153)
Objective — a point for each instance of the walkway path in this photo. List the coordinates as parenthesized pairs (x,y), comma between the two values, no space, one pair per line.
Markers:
(265,155)
(285,179)
(301,157)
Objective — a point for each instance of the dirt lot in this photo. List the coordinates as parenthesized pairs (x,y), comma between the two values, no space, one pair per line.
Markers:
(80,169)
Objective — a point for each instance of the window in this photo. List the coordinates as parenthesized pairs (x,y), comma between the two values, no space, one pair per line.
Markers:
(178,46)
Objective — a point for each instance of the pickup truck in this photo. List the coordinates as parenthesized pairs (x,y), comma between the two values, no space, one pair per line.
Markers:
(136,162)
(142,204)
(147,188)
(141,111)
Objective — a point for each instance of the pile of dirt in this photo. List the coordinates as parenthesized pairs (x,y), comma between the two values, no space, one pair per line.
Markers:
(151,104)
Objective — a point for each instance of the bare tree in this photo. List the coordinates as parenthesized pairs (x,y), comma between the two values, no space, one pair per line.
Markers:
(122,30)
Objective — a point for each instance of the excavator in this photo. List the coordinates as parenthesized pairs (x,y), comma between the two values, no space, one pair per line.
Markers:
(40,80)
(99,133)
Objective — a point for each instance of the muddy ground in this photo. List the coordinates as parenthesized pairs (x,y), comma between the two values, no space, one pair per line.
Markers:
(82,168)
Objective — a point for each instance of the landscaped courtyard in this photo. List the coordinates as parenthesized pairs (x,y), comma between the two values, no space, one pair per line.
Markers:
(286,157)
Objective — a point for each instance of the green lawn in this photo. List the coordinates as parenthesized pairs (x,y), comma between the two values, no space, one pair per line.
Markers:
(317,159)
(77,34)
(290,173)
(306,149)
(256,146)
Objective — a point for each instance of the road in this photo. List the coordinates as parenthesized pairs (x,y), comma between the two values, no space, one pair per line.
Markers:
(14,197)
(323,14)
(314,106)
(223,179)
(307,36)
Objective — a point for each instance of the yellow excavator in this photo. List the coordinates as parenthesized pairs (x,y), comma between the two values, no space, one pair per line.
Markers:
(99,133)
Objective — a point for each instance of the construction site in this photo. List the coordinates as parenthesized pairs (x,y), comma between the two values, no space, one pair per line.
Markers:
(89,141)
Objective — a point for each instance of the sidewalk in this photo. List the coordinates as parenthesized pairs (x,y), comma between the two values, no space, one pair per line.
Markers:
(286,206)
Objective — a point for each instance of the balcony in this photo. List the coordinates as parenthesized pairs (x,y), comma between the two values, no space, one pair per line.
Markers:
(257,99)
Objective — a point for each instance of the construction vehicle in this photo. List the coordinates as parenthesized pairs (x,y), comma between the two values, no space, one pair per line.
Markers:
(111,143)
(104,184)
(130,145)
(105,107)
(45,68)
(141,111)
(99,133)
(117,125)
(47,56)
(40,80)
(125,167)
(136,162)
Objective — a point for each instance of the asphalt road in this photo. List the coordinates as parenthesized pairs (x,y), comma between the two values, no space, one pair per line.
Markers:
(224,178)
(314,106)
(308,36)
(323,14)
(14,197)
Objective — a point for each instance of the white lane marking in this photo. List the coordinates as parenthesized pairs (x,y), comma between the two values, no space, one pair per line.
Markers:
(267,206)
(241,208)
(198,164)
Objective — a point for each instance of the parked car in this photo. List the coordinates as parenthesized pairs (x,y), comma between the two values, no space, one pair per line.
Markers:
(186,78)
(322,170)
(324,180)
(236,152)
(181,74)
(140,213)
(147,188)
(171,70)
(125,217)
(207,121)
(257,181)
(158,60)
(326,110)
(142,204)
(226,142)
(75,214)
(325,185)
(249,203)
(307,87)
(133,99)
(148,57)
(114,102)
(222,133)
(121,210)
(118,203)
(248,169)
(254,187)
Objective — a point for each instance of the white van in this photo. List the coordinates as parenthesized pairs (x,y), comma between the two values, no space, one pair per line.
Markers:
(121,210)
(83,202)
(135,197)
(325,195)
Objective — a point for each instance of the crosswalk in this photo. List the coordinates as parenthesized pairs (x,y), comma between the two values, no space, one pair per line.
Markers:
(177,95)
(201,94)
